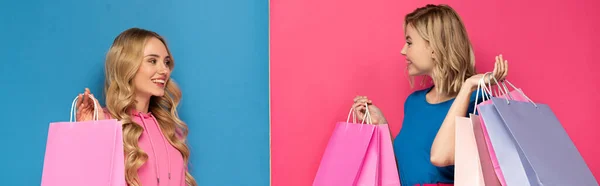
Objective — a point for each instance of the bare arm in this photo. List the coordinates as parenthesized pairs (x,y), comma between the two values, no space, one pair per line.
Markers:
(442,149)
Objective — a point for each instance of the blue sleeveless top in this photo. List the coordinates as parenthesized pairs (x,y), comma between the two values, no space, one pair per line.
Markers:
(412,145)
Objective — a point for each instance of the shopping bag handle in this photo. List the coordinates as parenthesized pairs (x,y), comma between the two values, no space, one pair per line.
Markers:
(518,90)
(506,91)
(502,88)
(74,108)
(485,92)
(353,116)
(367,115)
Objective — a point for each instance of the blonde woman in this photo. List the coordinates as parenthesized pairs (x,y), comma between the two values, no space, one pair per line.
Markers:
(437,45)
(141,94)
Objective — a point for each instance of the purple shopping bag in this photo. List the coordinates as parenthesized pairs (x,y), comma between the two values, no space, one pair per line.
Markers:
(533,149)
(342,161)
(84,153)
(504,146)
(486,148)
(486,156)
(504,154)
(552,158)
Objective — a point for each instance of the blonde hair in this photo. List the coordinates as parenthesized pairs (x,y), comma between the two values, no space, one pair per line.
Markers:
(445,32)
(123,60)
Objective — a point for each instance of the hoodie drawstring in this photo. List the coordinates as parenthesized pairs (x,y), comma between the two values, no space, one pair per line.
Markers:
(157,167)
(153,151)
(165,144)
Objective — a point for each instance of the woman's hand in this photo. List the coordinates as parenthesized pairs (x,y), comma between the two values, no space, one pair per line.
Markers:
(500,72)
(360,103)
(85,107)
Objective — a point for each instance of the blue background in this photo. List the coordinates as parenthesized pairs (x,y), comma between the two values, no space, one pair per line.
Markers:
(51,50)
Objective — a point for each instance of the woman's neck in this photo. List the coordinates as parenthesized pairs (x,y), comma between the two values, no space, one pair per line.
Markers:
(436,96)
(142,103)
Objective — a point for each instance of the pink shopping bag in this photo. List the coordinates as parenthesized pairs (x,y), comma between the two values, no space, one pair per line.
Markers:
(358,155)
(467,167)
(472,164)
(487,167)
(369,173)
(346,150)
(84,153)
(388,171)
(379,166)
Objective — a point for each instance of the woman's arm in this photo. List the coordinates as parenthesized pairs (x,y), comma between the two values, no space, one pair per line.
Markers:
(442,149)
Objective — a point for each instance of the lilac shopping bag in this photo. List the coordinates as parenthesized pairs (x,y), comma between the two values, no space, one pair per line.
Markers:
(490,177)
(84,153)
(342,161)
(506,158)
(551,157)
(487,150)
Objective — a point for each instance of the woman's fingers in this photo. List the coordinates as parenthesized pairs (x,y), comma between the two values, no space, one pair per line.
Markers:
(79,101)
(495,72)
(505,69)
(85,97)
(359,97)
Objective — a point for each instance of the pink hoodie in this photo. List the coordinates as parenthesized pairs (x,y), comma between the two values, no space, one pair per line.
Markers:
(164,166)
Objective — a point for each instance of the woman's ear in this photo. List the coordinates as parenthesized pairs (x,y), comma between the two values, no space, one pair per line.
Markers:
(428,47)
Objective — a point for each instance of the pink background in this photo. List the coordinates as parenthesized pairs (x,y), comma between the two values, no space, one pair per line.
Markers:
(325,52)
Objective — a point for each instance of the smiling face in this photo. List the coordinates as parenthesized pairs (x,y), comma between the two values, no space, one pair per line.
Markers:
(155,69)
(438,46)
(418,53)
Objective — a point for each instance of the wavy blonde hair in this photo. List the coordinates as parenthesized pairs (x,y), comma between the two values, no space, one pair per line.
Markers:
(123,60)
(446,34)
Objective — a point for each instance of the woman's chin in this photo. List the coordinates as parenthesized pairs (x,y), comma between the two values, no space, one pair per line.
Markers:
(158,93)
(413,72)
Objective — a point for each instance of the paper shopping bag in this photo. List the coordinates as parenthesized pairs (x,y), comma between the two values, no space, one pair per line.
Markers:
(504,147)
(388,170)
(487,167)
(342,161)
(551,157)
(379,166)
(84,153)
(369,173)
(467,167)
(481,129)
(358,155)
